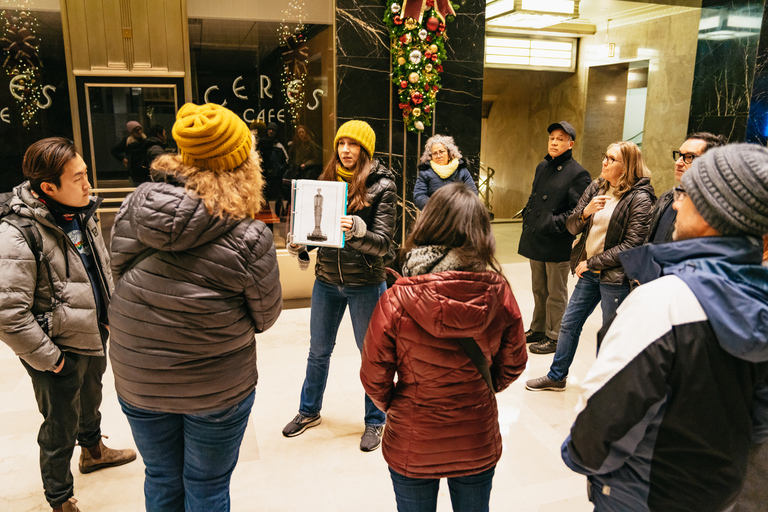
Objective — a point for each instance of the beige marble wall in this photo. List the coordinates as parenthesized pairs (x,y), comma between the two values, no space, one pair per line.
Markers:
(514,134)
(604,112)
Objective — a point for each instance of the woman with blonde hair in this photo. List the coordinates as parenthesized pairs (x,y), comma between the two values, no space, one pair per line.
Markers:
(613,215)
(440,165)
(198,278)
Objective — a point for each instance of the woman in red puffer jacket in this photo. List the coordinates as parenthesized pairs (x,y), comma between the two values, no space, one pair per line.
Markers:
(442,419)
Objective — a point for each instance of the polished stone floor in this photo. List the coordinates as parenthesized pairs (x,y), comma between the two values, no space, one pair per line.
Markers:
(323,469)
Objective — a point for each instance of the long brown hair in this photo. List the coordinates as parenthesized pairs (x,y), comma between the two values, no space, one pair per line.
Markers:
(634,168)
(456,218)
(358,192)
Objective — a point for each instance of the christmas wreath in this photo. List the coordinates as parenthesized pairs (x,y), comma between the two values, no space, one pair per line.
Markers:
(417,41)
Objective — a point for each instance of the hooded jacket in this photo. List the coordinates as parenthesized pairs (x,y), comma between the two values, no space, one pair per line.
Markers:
(183,319)
(557,187)
(428,182)
(360,262)
(50,307)
(442,419)
(679,390)
(627,228)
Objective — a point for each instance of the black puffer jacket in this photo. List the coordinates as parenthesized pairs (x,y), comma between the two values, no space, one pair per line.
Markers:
(183,319)
(627,228)
(360,262)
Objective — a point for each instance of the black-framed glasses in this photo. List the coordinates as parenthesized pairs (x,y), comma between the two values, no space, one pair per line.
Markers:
(605,157)
(687,157)
(678,193)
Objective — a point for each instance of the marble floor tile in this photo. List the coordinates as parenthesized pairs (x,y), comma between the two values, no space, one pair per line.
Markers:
(323,467)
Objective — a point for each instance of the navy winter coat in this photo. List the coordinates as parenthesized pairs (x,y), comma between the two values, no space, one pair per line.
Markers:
(428,182)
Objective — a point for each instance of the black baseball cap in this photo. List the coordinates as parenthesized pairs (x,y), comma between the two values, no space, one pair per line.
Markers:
(565,126)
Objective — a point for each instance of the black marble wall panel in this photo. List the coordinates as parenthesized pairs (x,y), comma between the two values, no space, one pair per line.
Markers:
(757,125)
(725,68)
(364,92)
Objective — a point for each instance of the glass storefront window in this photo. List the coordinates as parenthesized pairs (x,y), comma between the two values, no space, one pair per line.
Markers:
(275,77)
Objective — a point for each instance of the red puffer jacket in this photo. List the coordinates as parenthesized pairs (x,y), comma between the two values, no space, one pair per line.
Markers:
(442,419)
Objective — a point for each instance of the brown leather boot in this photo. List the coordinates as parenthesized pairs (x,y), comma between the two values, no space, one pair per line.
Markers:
(99,456)
(67,506)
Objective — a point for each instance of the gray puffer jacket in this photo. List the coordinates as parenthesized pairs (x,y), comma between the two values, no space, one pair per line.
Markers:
(36,323)
(183,319)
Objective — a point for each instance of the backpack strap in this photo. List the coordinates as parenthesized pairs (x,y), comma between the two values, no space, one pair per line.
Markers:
(475,353)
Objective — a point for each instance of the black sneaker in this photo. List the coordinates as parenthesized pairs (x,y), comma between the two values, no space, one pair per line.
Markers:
(301,423)
(545,346)
(532,336)
(371,438)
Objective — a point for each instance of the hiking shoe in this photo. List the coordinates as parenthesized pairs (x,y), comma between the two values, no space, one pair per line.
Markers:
(371,438)
(301,423)
(545,384)
(108,458)
(532,336)
(545,346)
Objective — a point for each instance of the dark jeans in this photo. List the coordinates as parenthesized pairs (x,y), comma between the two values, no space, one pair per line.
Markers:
(70,407)
(189,458)
(589,292)
(470,493)
(328,305)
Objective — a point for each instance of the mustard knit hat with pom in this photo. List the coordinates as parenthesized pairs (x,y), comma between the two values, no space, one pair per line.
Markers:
(211,137)
(361,132)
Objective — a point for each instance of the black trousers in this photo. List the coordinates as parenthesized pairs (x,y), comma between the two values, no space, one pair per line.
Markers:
(70,408)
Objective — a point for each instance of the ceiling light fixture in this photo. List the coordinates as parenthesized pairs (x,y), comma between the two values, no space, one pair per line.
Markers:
(530,13)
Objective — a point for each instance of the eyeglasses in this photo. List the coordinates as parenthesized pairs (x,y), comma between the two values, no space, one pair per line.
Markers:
(687,157)
(439,152)
(679,193)
(609,159)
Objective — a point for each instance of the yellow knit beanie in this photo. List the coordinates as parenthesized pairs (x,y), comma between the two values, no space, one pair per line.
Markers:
(211,137)
(360,131)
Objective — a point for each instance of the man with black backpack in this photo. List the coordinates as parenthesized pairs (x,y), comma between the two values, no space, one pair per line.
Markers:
(53,310)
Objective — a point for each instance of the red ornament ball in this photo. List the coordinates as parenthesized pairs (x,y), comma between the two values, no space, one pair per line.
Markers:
(416,97)
(435,88)
(433,24)
(427,54)
(433,57)
(427,109)
(403,84)
(398,20)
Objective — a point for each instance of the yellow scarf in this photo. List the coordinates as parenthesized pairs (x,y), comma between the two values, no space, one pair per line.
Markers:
(445,171)
(342,174)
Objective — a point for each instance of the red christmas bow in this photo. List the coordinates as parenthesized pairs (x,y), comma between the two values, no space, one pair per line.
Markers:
(415,9)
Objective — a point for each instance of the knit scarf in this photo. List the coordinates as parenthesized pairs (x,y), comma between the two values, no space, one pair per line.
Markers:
(445,171)
(430,259)
(342,174)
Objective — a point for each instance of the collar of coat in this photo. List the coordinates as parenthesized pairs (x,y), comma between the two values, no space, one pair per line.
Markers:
(559,160)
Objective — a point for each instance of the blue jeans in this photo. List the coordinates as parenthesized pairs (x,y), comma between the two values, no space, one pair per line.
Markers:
(328,305)
(189,458)
(470,493)
(589,292)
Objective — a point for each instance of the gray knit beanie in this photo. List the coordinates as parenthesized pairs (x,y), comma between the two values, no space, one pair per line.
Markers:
(729,187)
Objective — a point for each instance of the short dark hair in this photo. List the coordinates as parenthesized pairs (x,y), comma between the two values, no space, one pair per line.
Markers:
(156,131)
(455,217)
(710,139)
(45,161)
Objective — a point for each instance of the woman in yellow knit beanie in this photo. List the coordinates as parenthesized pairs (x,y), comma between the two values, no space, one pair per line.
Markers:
(196,277)
(353,275)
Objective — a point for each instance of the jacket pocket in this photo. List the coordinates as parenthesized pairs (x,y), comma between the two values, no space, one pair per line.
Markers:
(45,321)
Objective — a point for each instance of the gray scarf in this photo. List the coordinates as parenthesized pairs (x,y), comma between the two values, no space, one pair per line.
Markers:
(430,259)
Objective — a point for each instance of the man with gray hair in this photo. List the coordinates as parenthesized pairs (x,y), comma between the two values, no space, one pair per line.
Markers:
(679,391)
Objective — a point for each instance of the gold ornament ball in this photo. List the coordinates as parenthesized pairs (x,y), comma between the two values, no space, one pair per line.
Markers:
(433,48)
(413,77)
(401,61)
(416,112)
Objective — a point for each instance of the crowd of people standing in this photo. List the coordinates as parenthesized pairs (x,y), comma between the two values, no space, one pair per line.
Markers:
(671,410)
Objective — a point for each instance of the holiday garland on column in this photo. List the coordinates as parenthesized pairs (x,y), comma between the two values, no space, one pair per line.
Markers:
(22,61)
(417,42)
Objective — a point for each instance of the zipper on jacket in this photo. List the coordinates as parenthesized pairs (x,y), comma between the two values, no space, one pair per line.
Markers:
(97,262)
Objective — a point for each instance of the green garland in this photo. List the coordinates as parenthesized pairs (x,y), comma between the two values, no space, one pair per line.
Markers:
(418,51)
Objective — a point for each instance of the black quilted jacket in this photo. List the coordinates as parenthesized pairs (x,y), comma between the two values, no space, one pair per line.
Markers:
(360,262)
(627,228)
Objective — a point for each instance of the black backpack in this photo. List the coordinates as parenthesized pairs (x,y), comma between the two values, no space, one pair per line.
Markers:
(23,224)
